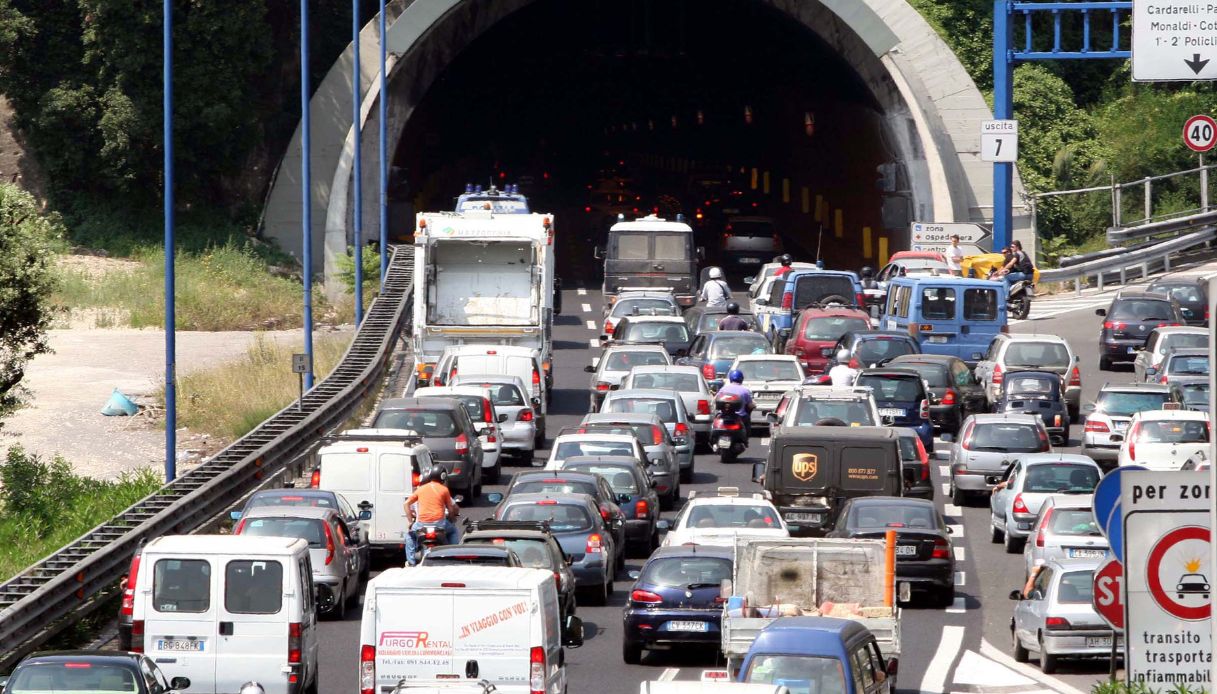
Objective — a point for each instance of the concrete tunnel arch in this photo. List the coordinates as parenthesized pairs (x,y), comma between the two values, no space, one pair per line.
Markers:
(931,111)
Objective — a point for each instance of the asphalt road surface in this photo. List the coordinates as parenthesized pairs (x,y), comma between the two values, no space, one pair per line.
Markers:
(964,648)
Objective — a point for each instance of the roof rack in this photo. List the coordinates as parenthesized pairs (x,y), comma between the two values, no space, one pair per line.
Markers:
(473,526)
(397,436)
(723,493)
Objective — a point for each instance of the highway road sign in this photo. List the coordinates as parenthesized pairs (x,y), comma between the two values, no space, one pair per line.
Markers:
(936,236)
(1173,40)
(1108,593)
(1200,133)
(1167,594)
(999,140)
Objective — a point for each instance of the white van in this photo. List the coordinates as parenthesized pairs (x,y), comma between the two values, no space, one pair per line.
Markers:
(224,610)
(510,360)
(498,624)
(373,468)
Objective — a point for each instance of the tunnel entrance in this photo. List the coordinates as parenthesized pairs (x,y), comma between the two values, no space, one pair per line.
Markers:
(710,109)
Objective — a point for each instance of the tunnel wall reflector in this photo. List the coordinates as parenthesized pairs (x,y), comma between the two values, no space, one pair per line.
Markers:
(883,250)
(806,200)
(765,183)
(868,250)
(839,224)
(755,175)
(785,190)
(820,208)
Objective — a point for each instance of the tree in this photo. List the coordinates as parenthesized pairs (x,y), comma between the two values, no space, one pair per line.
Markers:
(27,253)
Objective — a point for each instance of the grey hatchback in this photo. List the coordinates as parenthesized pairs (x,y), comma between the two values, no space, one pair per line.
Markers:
(988,444)
(446,430)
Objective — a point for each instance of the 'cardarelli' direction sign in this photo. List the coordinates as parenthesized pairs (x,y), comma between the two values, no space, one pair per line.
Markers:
(1174,40)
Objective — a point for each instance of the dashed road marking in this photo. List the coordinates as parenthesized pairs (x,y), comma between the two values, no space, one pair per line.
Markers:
(959,606)
(956,530)
(581,291)
(591,325)
(951,510)
(935,677)
(587,308)
(997,655)
(594,342)
(944,470)
(961,578)
(669,674)
(764,442)
(960,554)
(946,488)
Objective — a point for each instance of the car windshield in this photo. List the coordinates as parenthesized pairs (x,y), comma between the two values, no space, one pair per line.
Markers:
(876,350)
(1028,386)
(563,518)
(871,516)
(1184,294)
(770,370)
(660,407)
(1076,588)
(554,486)
(533,554)
(1137,310)
(427,423)
(654,331)
(1060,478)
(1197,365)
(1171,431)
(732,516)
(1184,341)
(852,412)
(831,328)
(570,449)
(801,674)
(1078,522)
(309,529)
(735,345)
(72,677)
(688,572)
(710,320)
(1006,437)
(937,375)
(624,360)
(897,388)
(1036,354)
(680,382)
(621,480)
(1126,404)
(645,307)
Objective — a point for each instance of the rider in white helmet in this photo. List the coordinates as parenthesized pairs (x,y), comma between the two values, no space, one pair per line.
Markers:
(715,291)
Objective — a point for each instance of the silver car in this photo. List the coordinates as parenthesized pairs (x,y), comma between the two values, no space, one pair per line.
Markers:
(769,377)
(1016,502)
(508,393)
(688,382)
(1057,620)
(1160,342)
(1040,352)
(656,440)
(341,564)
(665,404)
(987,446)
(1064,529)
(615,362)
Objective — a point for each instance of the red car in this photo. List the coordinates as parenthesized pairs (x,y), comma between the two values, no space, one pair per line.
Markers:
(816,330)
(918,255)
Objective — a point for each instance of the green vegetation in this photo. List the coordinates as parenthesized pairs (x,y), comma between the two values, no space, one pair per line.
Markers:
(44,505)
(1140,688)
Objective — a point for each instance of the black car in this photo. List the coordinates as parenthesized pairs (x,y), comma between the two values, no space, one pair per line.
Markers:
(1128,322)
(535,547)
(447,430)
(92,671)
(902,399)
(1192,295)
(1037,393)
(567,482)
(675,600)
(703,319)
(669,331)
(471,555)
(915,462)
(872,347)
(954,391)
(925,558)
(636,496)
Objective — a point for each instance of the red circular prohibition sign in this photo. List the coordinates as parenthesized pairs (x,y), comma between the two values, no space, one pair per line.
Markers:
(1191,532)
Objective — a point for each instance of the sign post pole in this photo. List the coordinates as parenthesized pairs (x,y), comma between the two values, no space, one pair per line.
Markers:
(1213,469)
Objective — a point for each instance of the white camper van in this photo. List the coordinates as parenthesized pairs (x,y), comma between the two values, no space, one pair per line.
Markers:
(224,610)
(498,624)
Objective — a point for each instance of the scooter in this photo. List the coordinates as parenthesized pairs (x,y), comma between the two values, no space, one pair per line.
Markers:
(431,535)
(728,435)
(1018,299)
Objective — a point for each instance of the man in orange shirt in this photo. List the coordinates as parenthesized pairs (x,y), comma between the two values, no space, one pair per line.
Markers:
(434,505)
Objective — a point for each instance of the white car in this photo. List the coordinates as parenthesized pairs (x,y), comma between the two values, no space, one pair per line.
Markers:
(686,381)
(485,419)
(636,303)
(615,362)
(1108,417)
(573,445)
(1160,342)
(806,405)
(1165,439)
(717,518)
(769,377)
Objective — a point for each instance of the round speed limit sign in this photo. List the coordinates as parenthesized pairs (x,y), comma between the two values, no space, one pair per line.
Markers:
(1200,133)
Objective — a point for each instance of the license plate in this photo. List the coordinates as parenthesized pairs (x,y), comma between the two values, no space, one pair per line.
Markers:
(809,517)
(1098,642)
(1121,426)
(906,551)
(937,339)
(749,261)
(688,626)
(1130,351)
(1085,553)
(724,441)
(179,645)
(891,412)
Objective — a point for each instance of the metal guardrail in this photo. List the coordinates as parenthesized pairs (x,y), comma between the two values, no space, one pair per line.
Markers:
(1143,258)
(76,579)
(1166,226)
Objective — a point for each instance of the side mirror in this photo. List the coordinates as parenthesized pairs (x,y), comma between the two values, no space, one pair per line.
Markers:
(572,632)
(784,333)
(589,369)
(615,386)
(234,515)
(1016,595)
(1088,408)
(634,575)
(887,420)
(1100,312)
(663,526)
(494,497)
(758,472)
(826,352)
(502,418)
(701,252)
(178,683)
(1076,359)
(1151,370)
(749,280)
(771,417)
(893,666)
(653,483)
(458,499)
(597,253)
(365,515)
(762,301)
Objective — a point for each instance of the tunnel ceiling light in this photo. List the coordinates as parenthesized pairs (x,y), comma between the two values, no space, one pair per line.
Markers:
(650,124)
(701,117)
(809,123)
(674,121)
(748,115)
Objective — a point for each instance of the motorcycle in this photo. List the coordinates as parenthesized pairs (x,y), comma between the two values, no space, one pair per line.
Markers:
(728,435)
(1018,299)
(430,535)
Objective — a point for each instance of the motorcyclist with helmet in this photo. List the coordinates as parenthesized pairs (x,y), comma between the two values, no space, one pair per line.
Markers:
(434,507)
(735,386)
(868,277)
(732,320)
(786,262)
(715,292)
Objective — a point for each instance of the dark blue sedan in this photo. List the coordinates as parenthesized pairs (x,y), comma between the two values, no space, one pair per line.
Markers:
(676,600)
(713,352)
(902,399)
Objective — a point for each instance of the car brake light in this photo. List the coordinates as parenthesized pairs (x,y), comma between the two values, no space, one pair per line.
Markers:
(656,434)
(788,300)
(536,377)
(78,666)
(329,543)
(604,513)
(1039,535)
(486,414)
(925,409)
(1056,623)
(708,372)
(1096,427)
(547,502)
(997,374)
(293,643)
(1163,379)
(461,444)
(1020,506)
(1075,377)
(925,459)
(315,479)
(861,299)
(128,606)
(703,407)
(536,670)
(558,580)
(1132,441)
(948,398)
(942,549)
(137,636)
(682,430)
(367,670)
(645,597)
(608,328)
(642,509)
(594,544)
(1114,325)
(1045,445)
(525,415)
(602,386)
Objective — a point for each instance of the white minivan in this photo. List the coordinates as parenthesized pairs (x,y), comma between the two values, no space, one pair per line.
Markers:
(224,610)
(374,469)
(498,624)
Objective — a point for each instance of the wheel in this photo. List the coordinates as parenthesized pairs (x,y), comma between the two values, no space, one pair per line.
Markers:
(1048,662)
(493,474)
(314,686)
(1020,654)
(686,474)
(945,597)
(1104,364)
(621,559)
(631,652)
(340,603)
(476,491)
(958,497)
(1014,545)
(653,543)
(1020,309)
(995,534)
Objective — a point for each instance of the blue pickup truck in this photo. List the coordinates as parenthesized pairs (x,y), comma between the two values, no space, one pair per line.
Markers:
(819,655)
(798,290)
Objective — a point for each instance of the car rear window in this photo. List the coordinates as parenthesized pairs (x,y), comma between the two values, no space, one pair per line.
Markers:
(852,412)
(660,407)
(735,345)
(1008,437)
(813,288)
(645,307)
(873,516)
(1172,431)
(621,481)
(457,559)
(181,585)
(732,516)
(1076,588)
(1184,295)
(504,394)
(533,554)
(937,375)
(311,530)
(1125,404)
(878,349)
(1192,365)
(624,361)
(680,382)
(908,448)
(45,678)
(1077,522)
(1036,354)
(655,331)
(750,228)
(710,321)
(980,304)
(1195,393)
(831,328)
(253,586)
(291,500)
(554,486)
(570,449)
(427,423)
(1027,386)
(1060,479)
(473,403)
(687,572)
(902,388)
(938,303)
(770,370)
(563,518)
(1137,310)
(1184,341)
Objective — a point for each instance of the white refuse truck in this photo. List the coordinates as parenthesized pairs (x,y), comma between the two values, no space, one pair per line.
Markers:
(483,278)
(792,577)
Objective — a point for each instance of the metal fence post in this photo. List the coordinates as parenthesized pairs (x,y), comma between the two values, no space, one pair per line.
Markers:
(1149,199)
(1204,186)
(1117,191)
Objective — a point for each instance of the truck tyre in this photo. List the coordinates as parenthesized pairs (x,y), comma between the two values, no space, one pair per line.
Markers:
(1020,654)
(631,652)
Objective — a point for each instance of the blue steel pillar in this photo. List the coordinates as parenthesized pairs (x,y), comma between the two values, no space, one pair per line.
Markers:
(306,193)
(170,251)
(357,124)
(383,144)
(1003,109)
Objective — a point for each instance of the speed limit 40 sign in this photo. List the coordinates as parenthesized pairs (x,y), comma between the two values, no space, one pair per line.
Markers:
(1200,133)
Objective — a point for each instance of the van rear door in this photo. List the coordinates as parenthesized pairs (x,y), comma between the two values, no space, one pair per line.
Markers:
(495,630)
(253,623)
(180,615)
(348,471)
(393,487)
(413,643)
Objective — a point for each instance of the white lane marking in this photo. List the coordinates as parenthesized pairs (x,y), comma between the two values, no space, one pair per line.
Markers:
(935,677)
(992,652)
(951,510)
(764,442)
(587,308)
(961,579)
(960,554)
(976,669)
(956,530)
(959,606)
(591,325)
(669,674)
(946,488)
(944,470)
(594,342)
(581,291)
